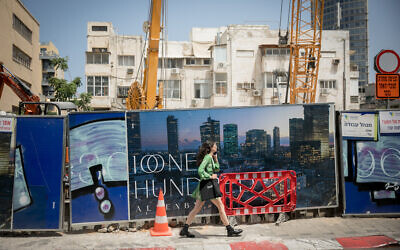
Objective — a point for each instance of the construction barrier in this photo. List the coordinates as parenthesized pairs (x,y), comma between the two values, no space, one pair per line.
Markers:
(258,192)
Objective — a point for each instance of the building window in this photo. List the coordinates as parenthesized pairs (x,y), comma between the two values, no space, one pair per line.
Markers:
(123,91)
(221,84)
(354,99)
(20,57)
(172,89)
(126,60)
(99,28)
(201,89)
(277,52)
(190,61)
(324,84)
(97,58)
(22,29)
(245,85)
(170,63)
(269,80)
(206,61)
(98,85)
(245,53)
(220,88)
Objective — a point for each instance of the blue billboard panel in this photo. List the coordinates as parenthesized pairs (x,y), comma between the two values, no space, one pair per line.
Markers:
(98,161)
(6,180)
(38,173)
(379,161)
(162,149)
(372,184)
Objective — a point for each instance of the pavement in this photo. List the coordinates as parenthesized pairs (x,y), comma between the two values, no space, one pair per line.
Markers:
(314,233)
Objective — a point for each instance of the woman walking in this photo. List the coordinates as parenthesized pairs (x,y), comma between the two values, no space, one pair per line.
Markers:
(207,163)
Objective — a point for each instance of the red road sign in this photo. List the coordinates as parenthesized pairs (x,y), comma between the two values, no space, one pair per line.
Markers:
(387,61)
(387,86)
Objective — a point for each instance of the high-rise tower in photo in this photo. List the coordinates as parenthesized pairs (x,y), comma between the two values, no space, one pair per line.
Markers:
(231,146)
(277,139)
(316,126)
(172,132)
(210,131)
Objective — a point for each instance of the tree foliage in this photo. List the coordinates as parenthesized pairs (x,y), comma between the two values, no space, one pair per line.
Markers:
(66,91)
(83,102)
(60,63)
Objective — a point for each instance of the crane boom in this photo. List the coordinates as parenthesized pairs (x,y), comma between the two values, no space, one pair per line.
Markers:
(305,47)
(144,96)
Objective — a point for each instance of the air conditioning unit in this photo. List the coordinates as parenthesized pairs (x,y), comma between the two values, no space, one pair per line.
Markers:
(257,92)
(335,61)
(175,71)
(129,71)
(123,100)
(324,91)
(220,65)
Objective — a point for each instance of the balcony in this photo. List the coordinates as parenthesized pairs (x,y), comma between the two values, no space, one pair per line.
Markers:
(48,55)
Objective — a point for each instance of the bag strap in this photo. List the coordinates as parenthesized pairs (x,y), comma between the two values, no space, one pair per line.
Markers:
(213,163)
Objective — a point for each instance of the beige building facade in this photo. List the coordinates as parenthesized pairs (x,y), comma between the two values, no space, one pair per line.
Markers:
(49,51)
(19,50)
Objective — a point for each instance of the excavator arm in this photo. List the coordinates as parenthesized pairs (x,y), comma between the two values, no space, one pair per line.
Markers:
(19,88)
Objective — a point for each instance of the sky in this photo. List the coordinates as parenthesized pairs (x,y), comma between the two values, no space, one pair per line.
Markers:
(154,134)
(65,22)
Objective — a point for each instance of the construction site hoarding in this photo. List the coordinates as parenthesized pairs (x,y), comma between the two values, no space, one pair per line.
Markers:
(99,170)
(162,149)
(7,138)
(372,173)
(39,162)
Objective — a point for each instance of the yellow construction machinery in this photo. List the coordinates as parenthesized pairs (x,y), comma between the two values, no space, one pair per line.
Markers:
(305,47)
(144,95)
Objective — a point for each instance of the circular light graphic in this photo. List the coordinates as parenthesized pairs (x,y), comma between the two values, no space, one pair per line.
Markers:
(100,193)
(105,206)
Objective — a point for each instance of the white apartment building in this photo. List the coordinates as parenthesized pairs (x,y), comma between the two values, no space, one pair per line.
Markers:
(238,65)
(111,65)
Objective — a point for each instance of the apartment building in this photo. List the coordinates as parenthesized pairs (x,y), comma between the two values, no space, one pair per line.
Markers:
(19,50)
(111,65)
(49,51)
(238,65)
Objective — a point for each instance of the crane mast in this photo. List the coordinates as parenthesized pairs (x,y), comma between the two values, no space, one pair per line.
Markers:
(144,96)
(305,47)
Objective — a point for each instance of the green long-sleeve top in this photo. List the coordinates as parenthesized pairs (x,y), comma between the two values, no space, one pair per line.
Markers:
(207,167)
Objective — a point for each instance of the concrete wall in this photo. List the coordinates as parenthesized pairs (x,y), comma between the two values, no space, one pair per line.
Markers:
(9,37)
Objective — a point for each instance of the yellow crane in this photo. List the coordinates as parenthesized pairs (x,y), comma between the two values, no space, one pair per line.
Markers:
(144,96)
(305,47)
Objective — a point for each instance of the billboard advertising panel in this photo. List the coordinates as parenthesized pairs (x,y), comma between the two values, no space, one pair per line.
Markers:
(98,162)
(372,184)
(38,173)
(162,149)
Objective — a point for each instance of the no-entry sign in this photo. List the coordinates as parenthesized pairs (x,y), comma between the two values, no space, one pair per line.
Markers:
(387,61)
(387,86)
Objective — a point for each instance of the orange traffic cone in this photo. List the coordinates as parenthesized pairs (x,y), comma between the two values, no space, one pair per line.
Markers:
(161,227)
